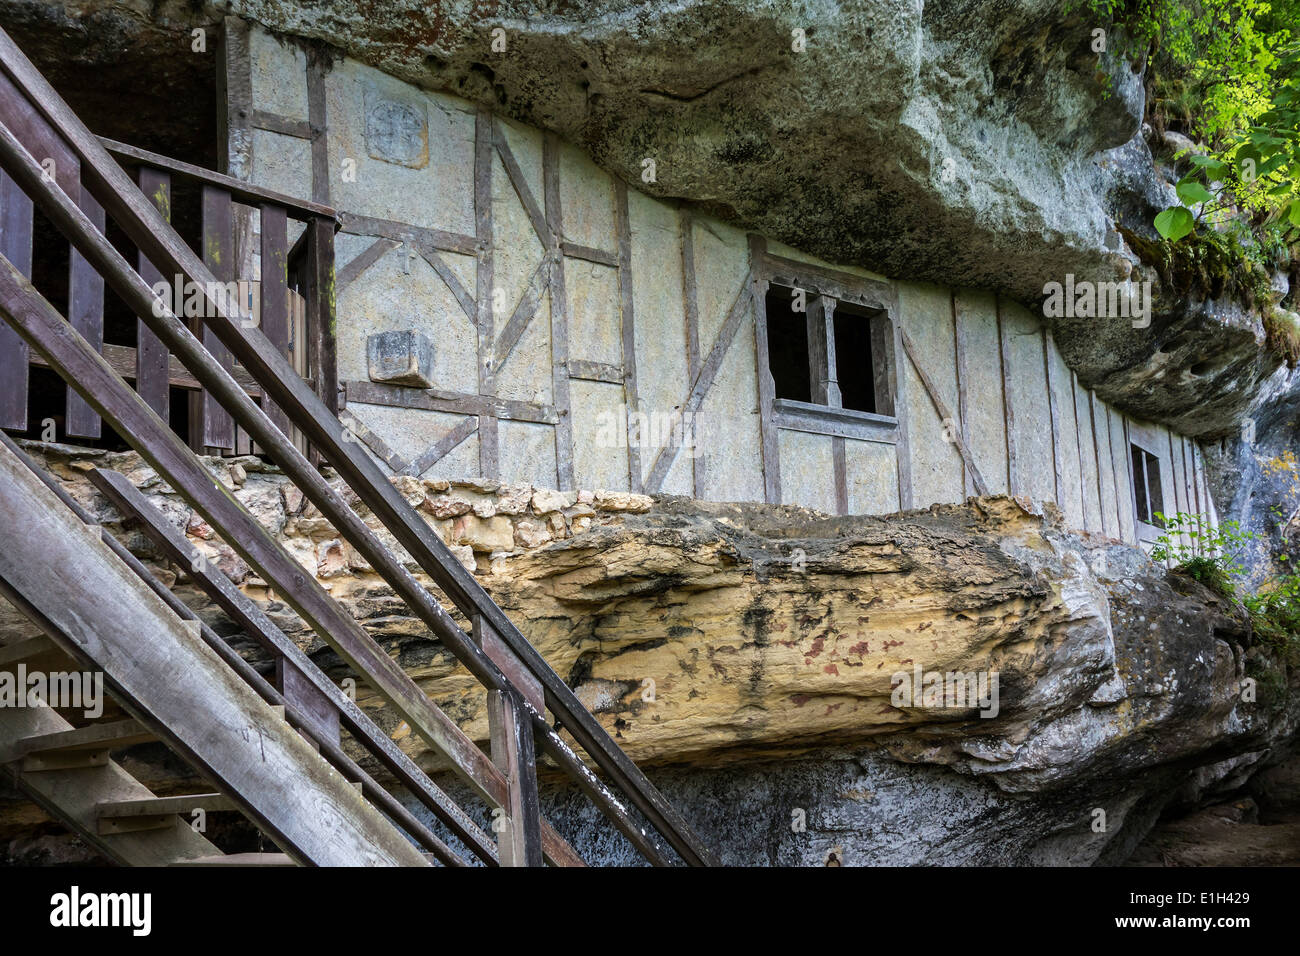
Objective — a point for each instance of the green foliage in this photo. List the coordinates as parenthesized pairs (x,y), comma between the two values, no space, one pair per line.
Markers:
(1202,551)
(1228,72)
(1275,611)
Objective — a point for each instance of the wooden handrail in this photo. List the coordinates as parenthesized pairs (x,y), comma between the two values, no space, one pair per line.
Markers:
(244,192)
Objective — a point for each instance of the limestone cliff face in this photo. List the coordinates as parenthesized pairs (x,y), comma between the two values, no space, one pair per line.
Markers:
(716,639)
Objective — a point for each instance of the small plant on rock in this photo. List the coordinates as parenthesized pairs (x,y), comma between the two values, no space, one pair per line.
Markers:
(1207,553)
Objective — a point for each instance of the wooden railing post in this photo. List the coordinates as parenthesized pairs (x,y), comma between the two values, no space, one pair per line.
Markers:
(318,290)
(518,826)
(16,246)
(211,426)
(151,358)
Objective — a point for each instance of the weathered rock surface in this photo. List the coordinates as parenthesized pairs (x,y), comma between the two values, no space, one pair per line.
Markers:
(750,653)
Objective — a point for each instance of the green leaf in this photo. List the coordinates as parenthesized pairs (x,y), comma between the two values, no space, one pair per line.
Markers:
(1174,223)
(1192,193)
(1293,214)
(1213,168)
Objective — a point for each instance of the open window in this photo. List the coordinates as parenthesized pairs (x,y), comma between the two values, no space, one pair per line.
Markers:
(1148,492)
(824,352)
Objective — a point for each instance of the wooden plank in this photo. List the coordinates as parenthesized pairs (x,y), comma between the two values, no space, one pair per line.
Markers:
(559,314)
(368,257)
(1078,447)
(448,275)
(844,286)
(284,125)
(240,190)
(818,350)
(844,423)
(520,184)
(771,448)
(522,683)
(520,840)
(690,295)
(183,805)
(151,657)
(627,324)
(487,424)
(16,246)
(274,295)
(321,714)
(151,357)
(897,388)
(1058,463)
(86,313)
(981,488)
(1008,413)
(963,373)
(595,371)
(145,228)
(1115,472)
(356,225)
(318,291)
(318,121)
(122,359)
(211,426)
(439,450)
(523,314)
(599,256)
(439,400)
(840,473)
(1096,455)
(881,344)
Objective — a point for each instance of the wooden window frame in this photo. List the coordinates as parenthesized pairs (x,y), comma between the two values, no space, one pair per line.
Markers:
(1139,522)
(825,290)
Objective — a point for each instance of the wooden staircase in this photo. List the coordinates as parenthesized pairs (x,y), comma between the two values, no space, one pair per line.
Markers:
(274,752)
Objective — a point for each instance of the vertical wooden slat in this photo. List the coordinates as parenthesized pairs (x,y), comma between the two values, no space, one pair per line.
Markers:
(1008,414)
(963,410)
(520,839)
(483,153)
(559,314)
(317,118)
(319,293)
(151,380)
(211,426)
(16,245)
(818,356)
(1054,410)
(880,337)
(766,386)
(897,388)
(86,313)
(274,294)
(630,396)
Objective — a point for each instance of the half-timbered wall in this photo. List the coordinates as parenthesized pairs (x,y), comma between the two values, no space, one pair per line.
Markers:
(559,299)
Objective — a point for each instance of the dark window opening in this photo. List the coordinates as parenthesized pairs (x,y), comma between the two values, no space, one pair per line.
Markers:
(787,345)
(1147,490)
(855,360)
(840,363)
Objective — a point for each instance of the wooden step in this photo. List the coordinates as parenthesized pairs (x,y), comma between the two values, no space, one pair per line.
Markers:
(240,859)
(156,813)
(84,747)
(38,653)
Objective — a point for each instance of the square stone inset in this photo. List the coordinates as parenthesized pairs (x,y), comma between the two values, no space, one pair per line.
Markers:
(400,358)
